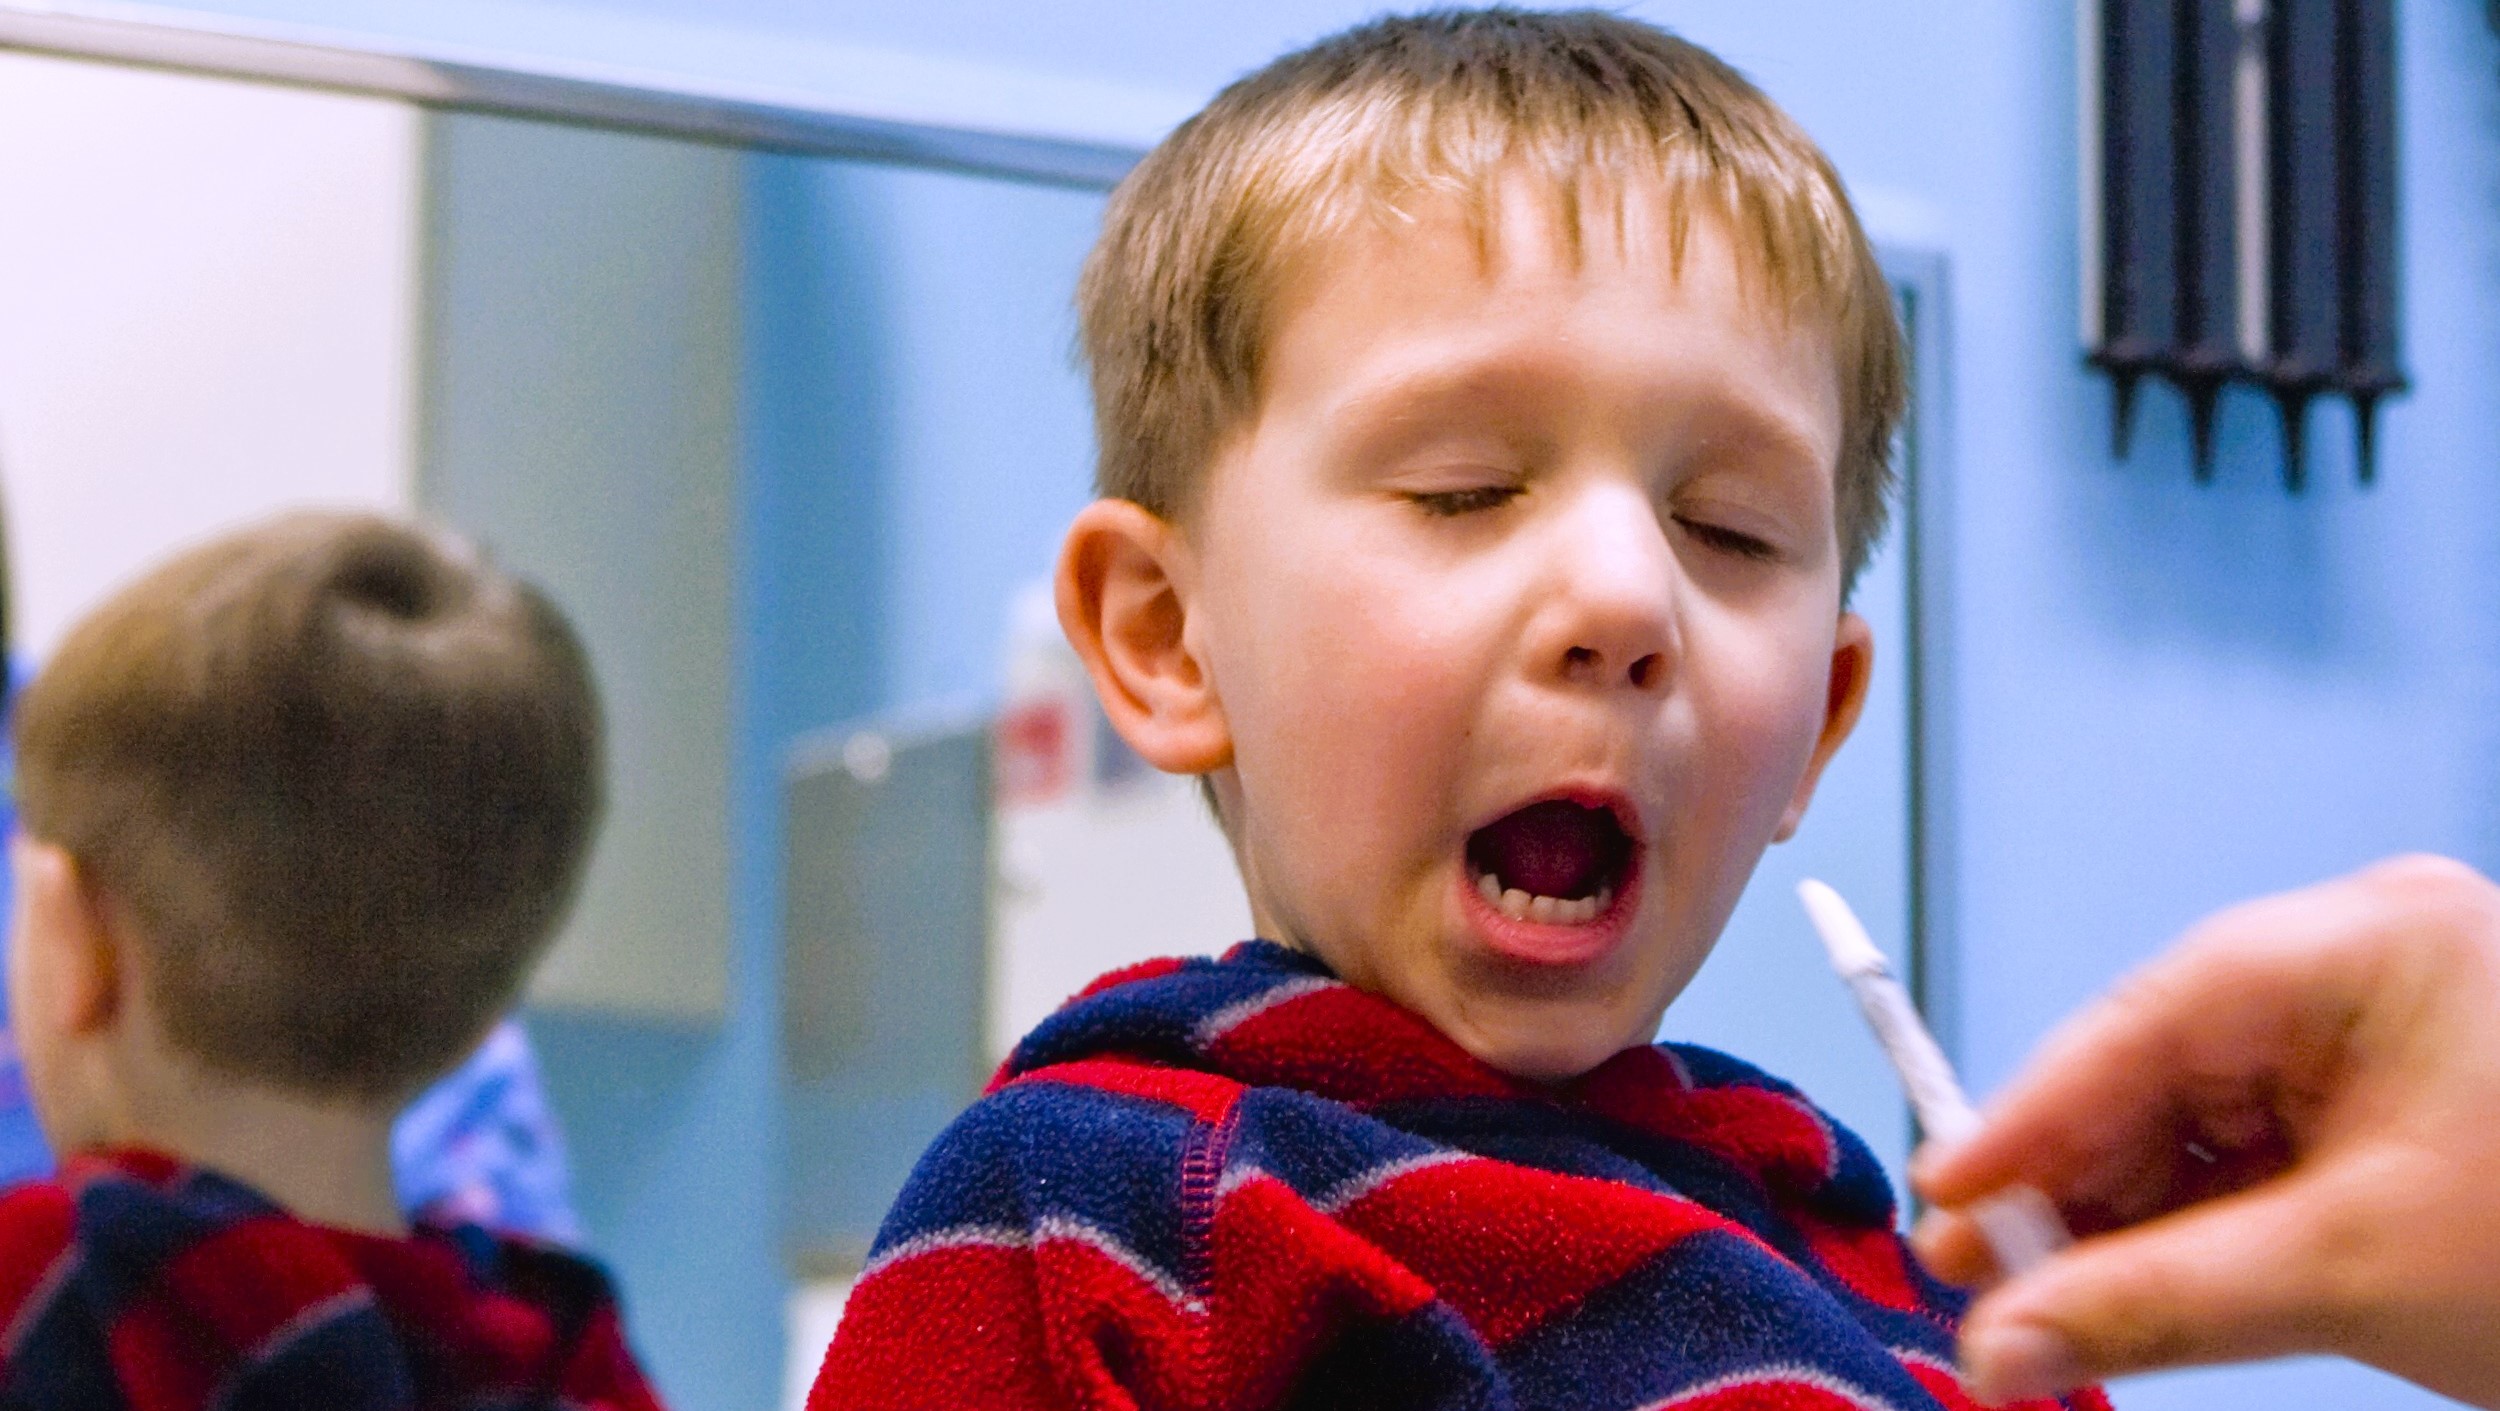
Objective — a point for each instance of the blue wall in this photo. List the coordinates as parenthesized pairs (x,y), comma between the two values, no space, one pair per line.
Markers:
(2169,696)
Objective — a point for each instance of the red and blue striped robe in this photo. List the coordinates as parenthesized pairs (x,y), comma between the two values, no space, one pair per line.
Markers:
(1240,1183)
(134,1283)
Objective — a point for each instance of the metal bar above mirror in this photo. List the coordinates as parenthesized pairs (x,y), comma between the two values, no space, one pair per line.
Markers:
(653,105)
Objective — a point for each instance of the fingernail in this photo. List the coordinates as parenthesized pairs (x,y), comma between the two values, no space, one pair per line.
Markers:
(2018,1364)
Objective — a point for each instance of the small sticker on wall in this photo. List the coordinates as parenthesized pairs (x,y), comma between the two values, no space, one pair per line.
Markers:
(1036,758)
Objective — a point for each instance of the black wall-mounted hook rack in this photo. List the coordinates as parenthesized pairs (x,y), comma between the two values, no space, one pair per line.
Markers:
(2242,160)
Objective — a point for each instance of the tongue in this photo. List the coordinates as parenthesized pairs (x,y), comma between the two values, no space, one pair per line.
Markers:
(1551,849)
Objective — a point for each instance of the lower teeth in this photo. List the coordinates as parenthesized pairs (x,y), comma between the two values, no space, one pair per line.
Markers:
(1550,911)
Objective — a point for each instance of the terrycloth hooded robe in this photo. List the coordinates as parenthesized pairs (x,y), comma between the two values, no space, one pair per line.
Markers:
(1242,1183)
(134,1283)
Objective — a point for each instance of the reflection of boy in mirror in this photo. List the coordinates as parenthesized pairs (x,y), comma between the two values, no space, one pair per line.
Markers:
(1494,412)
(480,1146)
(301,807)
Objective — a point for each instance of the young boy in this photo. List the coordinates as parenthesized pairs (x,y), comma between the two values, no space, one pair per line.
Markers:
(300,808)
(1494,409)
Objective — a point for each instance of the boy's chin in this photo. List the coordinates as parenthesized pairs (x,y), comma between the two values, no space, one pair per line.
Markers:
(1543,1046)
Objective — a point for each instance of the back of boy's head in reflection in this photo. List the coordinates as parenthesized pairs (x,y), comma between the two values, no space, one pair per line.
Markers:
(300,809)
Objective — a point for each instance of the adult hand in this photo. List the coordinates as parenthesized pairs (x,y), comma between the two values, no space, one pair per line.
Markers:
(2284,1136)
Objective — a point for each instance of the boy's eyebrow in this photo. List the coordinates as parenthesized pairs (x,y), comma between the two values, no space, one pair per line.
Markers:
(1416,394)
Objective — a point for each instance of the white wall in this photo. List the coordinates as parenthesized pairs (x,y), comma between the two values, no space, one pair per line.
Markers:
(207,311)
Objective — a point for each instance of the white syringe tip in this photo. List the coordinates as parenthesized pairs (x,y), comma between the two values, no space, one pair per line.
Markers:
(1853,952)
(2021,1225)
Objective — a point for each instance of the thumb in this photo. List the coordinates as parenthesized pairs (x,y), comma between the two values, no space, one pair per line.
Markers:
(2236,1278)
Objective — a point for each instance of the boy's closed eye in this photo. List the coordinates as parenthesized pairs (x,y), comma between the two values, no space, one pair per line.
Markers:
(1723,538)
(1471,499)
(1756,510)
(1713,532)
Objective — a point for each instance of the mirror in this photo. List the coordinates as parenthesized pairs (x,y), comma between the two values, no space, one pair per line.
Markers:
(793,438)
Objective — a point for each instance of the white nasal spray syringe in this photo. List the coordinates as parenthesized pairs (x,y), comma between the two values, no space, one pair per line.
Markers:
(2021,1225)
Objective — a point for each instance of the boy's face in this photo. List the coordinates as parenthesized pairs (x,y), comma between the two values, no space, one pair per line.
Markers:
(1524,583)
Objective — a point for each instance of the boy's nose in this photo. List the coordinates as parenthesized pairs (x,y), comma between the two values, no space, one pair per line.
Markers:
(1613,611)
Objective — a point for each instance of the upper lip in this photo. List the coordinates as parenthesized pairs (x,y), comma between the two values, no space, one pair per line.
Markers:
(1615,802)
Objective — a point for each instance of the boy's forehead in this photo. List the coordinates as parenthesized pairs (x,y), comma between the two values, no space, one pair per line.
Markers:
(1453,285)
(1467,267)
(1515,220)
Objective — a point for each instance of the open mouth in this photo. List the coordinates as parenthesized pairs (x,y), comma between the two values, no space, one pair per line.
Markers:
(1556,863)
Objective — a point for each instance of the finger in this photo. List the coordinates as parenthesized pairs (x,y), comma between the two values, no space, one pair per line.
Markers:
(2098,1087)
(2126,1182)
(2240,1278)
(2257,988)
(1950,1244)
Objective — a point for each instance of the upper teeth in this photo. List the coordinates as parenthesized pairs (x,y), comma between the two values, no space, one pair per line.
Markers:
(1552,911)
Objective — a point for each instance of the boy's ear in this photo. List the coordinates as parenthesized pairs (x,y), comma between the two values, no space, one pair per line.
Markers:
(74,937)
(1853,666)
(1124,587)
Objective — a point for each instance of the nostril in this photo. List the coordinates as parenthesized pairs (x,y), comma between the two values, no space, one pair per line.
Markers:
(1646,672)
(1580,659)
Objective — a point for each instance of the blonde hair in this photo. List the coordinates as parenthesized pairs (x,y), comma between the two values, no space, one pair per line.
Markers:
(344,776)
(1175,296)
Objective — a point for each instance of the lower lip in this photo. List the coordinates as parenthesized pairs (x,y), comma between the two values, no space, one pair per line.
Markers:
(1541,943)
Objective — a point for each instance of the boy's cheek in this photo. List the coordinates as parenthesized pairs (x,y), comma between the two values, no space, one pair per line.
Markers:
(1348,711)
(1767,701)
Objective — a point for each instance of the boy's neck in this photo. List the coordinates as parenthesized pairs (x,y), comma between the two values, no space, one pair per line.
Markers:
(324,1160)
